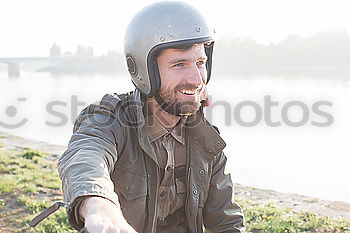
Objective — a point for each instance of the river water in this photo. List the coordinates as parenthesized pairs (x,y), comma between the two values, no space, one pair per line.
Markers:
(286,133)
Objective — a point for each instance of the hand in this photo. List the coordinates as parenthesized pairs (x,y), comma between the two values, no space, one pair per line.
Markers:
(103,216)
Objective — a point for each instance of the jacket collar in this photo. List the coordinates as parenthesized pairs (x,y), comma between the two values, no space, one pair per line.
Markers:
(204,135)
(198,131)
(156,130)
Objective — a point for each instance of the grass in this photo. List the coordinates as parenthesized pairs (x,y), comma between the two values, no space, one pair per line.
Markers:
(270,218)
(30,154)
(27,172)
(29,183)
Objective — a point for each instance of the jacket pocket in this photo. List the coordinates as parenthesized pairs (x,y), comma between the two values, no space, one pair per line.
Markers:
(201,170)
(131,184)
(131,187)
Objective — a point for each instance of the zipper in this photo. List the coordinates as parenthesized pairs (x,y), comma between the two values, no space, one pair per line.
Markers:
(155,219)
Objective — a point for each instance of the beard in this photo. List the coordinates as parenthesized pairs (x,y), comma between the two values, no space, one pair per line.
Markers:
(170,103)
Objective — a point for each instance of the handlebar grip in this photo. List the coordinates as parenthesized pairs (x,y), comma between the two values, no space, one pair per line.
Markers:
(83,230)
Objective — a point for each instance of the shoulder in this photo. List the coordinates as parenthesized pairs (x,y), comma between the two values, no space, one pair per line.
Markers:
(111,102)
(107,109)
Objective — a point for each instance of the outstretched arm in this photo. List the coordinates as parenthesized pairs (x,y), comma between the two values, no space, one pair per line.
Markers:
(85,169)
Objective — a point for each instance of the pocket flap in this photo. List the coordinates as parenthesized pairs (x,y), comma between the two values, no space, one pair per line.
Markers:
(131,184)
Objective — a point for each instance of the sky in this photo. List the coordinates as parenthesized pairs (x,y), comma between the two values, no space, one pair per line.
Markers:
(30,27)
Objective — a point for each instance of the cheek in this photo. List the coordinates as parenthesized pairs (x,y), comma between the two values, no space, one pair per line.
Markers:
(170,79)
(164,78)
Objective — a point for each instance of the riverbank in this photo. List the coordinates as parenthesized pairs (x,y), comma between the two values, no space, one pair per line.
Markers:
(327,208)
(248,196)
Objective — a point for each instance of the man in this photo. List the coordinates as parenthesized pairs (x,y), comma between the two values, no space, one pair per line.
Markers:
(148,161)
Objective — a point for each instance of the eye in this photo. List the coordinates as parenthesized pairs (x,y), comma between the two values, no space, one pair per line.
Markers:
(179,65)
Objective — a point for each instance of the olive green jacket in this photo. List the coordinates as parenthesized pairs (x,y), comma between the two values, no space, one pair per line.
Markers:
(110,155)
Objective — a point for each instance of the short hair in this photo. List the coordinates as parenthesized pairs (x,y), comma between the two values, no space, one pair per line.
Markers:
(180,47)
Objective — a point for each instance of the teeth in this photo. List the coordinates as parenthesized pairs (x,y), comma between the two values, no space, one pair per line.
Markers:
(188,92)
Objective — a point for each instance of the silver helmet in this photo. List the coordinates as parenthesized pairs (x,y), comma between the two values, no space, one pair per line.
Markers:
(162,25)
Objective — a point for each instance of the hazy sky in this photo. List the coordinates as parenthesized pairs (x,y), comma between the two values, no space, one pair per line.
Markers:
(30,27)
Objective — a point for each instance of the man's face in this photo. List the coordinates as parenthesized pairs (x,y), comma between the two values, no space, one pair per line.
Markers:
(183,76)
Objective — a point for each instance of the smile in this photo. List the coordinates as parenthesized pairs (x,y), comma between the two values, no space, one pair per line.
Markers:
(188,92)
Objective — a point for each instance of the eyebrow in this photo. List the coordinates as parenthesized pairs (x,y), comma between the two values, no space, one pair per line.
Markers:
(177,60)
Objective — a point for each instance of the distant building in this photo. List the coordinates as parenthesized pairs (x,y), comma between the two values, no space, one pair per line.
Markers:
(55,51)
(83,51)
(68,54)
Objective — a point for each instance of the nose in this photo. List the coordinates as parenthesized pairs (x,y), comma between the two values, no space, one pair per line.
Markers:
(195,76)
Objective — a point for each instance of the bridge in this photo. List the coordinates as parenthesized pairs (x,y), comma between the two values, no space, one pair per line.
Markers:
(13,63)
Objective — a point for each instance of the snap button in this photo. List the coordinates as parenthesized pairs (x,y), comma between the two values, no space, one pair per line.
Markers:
(195,192)
(162,193)
(169,168)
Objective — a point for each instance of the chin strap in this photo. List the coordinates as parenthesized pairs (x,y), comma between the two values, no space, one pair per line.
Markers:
(204,103)
(205,99)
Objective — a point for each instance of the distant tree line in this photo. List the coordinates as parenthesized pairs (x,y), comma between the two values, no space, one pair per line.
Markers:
(320,51)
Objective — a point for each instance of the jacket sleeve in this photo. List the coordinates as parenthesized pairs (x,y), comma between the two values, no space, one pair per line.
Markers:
(86,165)
(221,213)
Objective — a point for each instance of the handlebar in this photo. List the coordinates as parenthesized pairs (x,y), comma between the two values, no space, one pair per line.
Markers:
(83,230)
